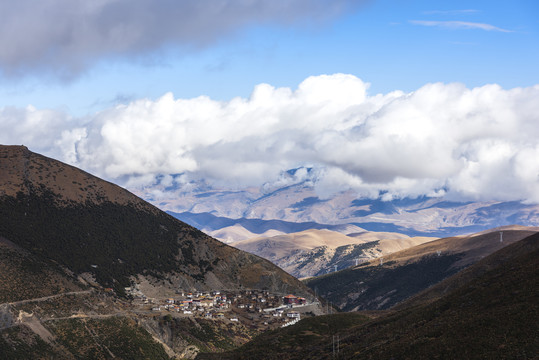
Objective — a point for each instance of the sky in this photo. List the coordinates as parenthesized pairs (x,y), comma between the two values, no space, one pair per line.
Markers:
(391,99)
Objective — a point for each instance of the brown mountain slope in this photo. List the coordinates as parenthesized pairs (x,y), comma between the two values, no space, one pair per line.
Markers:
(23,276)
(89,226)
(24,171)
(276,247)
(314,252)
(380,284)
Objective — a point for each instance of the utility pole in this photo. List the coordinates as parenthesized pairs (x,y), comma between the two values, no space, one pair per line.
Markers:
(501,236)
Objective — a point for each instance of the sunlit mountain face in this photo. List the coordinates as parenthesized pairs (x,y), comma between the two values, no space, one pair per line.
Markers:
(293,203)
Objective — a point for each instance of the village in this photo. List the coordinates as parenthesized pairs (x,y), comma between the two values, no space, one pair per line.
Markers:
(255,308)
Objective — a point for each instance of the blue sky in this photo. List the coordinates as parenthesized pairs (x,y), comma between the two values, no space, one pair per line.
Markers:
(377,42)
(400,98)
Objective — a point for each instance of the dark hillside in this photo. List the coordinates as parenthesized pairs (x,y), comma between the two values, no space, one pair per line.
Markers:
(489,316)
(492,317)
(23,276)
(70,218)
(381,284)
(110,240)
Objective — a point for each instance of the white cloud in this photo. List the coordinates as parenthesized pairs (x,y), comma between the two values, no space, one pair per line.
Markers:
(441,139)
(67,36)
(459,25)
(32,126)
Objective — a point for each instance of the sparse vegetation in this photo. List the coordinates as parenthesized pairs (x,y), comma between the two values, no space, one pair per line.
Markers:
(303,340)
(118,240)
(106,338)
(18,342)
(23,276)
(380,287)
(208,335)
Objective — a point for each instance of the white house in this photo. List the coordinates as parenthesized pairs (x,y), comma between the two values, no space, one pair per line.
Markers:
(293,314)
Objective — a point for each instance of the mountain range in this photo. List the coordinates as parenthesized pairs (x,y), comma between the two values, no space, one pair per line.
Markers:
(292,204)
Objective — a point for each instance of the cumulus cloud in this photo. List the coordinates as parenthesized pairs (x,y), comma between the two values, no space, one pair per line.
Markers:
(67,36)
(442,139)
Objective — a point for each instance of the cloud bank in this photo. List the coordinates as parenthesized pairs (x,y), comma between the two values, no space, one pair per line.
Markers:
(442,139)
(67,36)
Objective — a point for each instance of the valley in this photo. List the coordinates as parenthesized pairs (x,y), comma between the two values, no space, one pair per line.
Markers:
(89,270)
(489,311)
(269,180)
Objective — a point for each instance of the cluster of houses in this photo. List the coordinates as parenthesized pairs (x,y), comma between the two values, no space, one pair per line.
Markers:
(251,304)
(207,304)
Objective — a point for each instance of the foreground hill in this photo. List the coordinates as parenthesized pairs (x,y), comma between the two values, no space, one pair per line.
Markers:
(45,313)
(70,244)
(490,314)
(316,252)
(382,283)
(95,228)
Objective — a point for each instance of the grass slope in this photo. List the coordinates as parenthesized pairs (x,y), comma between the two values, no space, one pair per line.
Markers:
(115,337)
(23,276)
